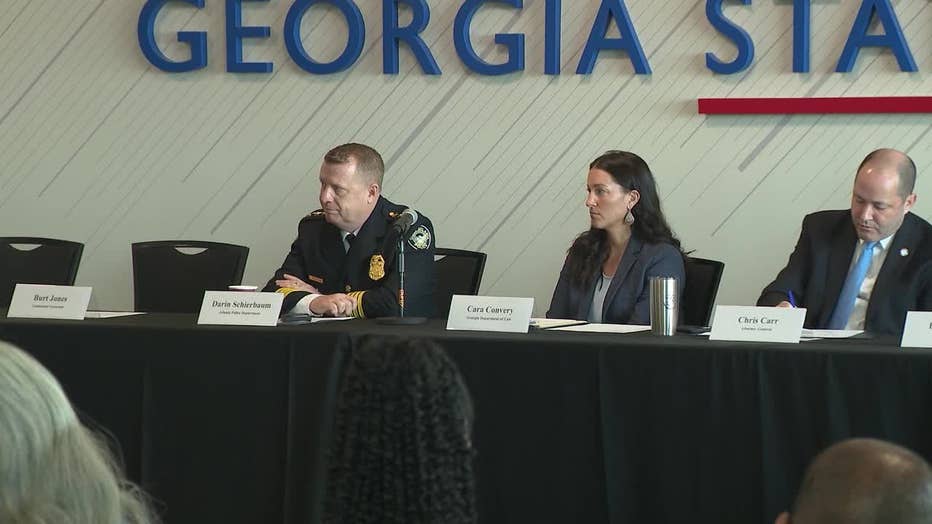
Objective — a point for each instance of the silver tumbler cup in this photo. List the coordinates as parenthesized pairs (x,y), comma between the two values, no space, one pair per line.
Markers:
(664,305)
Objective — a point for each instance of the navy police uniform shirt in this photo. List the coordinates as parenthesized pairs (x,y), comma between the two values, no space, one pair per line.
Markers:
(369,270)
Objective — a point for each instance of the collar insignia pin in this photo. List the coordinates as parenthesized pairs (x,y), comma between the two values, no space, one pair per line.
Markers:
(904,252)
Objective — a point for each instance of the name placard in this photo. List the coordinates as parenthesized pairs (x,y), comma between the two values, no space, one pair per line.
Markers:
(239,308)
(917,332)
(758,324)
(472,313)
(44,301)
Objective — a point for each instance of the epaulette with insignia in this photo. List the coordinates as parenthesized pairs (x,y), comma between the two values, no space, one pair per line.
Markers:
(312,217)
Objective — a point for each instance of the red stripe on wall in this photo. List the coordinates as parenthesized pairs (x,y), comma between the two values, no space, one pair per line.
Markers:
(794,106)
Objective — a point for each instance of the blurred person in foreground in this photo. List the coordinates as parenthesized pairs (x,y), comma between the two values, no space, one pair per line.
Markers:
(402,448)
(53,470)
(864,481)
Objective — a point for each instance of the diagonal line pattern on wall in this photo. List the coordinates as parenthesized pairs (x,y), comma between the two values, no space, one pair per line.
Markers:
(335,90)
(235,120)
(478,180)
(49,64)
(766,176)
(439,105)
(92,133)
(411,67)
(569,147)
(13,20)
(919,139)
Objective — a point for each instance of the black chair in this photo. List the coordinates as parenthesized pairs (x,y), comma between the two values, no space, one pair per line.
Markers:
(31,260)
(170,281)
(459,272)
(702,279)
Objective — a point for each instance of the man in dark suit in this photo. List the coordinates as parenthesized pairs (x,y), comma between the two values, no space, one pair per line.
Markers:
(862,268)
(344,261)
(864,481)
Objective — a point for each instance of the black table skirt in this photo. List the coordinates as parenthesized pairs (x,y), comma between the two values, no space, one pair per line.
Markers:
(230,424)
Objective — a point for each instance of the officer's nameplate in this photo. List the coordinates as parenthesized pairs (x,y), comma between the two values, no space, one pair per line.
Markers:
(917,332)
(234,308)
(43,301)
(758,324)
(472,313)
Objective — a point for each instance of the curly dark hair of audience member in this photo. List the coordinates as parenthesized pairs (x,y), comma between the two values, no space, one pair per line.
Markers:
(401,450)
(53,470)
(631,172)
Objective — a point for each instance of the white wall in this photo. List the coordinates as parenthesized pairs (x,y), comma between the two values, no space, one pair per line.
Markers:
(98,146)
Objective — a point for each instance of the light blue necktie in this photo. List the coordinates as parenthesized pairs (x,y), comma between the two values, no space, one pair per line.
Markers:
(849,292)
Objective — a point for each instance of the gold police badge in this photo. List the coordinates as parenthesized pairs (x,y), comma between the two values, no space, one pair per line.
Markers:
(377,267)
(420,239)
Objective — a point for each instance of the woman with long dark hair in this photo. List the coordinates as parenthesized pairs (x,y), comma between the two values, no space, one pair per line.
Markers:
(605,277)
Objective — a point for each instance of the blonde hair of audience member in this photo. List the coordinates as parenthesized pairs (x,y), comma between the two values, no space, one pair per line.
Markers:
(53,470)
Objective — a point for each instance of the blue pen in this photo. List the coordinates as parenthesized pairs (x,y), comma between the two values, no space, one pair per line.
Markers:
(789,294)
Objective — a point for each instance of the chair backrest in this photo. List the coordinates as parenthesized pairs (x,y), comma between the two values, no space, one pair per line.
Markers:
(31,260)
(171,281)
(459,272)
(702,279)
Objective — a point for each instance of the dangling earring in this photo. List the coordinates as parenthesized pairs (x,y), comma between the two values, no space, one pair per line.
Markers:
(629,218)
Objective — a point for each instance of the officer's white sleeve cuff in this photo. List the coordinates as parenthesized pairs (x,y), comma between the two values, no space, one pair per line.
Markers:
(303,307)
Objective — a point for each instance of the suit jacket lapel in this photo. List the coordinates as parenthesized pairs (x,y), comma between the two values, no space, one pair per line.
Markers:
(893,264)
(839,260)
(621,273)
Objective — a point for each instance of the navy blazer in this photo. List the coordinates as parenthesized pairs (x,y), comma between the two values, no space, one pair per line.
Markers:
(628,298)
(819,265)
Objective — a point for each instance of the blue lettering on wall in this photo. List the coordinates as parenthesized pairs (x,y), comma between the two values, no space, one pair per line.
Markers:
(392,35)
(740,37)
(892,37)
(196,40)
(552,35)
(513,42)
(236,32)
(355,26)
(801,24)
(608,11)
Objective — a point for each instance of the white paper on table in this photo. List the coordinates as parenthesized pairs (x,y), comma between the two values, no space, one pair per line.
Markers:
(299,320)
(553,323)
(112,314)
(813,334)
(605,328)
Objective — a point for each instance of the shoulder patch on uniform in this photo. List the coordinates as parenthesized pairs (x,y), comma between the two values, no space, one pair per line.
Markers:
(420,238)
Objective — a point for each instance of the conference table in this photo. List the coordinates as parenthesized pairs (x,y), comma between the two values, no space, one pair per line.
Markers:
(230,424)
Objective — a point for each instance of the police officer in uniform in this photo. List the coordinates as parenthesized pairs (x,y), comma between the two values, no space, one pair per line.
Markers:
(344,261)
